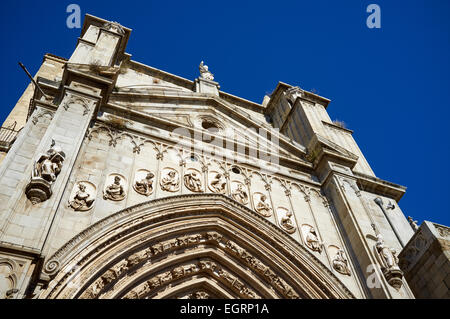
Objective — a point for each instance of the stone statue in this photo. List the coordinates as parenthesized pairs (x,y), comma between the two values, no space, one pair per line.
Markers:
(218,184)
(49,165)
(340,263)
(145,185)
(413,223)
(81,201)
(114,191)
(45,171)
(388,258)
(240,194)
(205,73)
(170,182)
(286,222)
(312,241)
(388,262)
(192,180)
(263,206)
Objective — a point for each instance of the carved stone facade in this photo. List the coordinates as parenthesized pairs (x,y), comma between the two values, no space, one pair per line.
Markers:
(136,183)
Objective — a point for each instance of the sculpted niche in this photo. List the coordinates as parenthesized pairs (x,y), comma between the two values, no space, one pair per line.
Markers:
(45,171)
(143,182)
(83,196)
(170,180)
(115,188)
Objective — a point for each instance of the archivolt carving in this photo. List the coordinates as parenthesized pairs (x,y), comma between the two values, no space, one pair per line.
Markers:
(301,274)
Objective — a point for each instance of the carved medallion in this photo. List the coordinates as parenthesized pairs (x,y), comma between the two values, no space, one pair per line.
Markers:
(339,260)
(286,220)
(83,196)
(170,180)
(262,204)
(217,182)
(143,182)
(311,239)
(239,192)
(115,187)
(193,180)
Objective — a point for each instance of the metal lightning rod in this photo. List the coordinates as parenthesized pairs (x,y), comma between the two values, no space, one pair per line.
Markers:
(31,78)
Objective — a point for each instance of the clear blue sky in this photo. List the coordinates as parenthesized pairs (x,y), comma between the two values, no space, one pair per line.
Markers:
(389,85)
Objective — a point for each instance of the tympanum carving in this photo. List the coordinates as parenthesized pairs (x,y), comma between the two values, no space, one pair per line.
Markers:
(45,171)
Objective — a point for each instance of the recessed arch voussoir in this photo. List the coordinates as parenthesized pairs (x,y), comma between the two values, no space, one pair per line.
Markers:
(220,227)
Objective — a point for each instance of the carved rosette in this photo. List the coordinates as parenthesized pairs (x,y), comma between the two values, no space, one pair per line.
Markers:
(239,192)
(262,204)
(193,180)
(143,182)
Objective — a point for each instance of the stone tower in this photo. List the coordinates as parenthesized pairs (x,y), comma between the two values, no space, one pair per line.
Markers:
(125,181)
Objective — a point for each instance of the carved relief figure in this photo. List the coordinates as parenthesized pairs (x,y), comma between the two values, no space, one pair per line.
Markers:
(204,72)
(312,241)
(340,263)
(286,221)
(115,191)
(144,186)
(262,205)
(218,183)
(239,193)
(413,223)
(170,181)
(192,181)
(81,201)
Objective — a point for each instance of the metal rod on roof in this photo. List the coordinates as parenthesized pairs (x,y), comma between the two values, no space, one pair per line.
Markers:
(31,78)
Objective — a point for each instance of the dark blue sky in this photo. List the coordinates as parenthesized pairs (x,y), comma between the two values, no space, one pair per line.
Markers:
(389,85)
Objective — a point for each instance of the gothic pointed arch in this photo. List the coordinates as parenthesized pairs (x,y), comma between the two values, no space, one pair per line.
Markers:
(187,246)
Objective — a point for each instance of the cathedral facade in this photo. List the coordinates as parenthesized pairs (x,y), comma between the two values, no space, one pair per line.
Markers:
(120,180)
